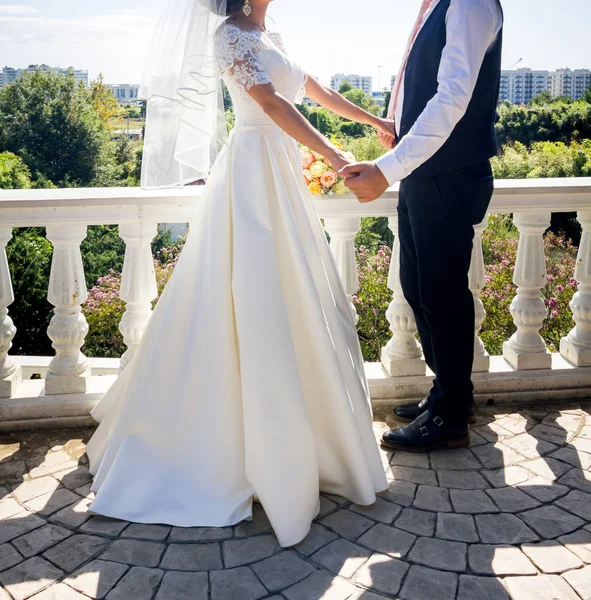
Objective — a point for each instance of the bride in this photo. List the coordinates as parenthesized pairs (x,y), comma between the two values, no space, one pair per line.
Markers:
(249,380)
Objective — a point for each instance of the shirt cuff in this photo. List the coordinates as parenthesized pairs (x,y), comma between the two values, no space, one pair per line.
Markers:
(391,167)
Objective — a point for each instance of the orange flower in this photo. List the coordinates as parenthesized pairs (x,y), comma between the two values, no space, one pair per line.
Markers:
(328,179)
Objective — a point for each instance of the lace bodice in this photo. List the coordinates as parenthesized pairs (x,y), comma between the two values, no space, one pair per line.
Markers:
(249,58)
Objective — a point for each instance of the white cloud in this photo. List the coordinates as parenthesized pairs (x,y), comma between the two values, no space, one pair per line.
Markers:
(17,9)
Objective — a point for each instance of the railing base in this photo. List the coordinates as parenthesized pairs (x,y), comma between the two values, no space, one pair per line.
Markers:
(575,354)
(523,361)
(9,385)
(32,409)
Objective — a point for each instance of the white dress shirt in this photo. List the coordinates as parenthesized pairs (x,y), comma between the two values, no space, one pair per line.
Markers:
(472,29)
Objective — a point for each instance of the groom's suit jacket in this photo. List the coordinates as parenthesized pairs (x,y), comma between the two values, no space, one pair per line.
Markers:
(473,139)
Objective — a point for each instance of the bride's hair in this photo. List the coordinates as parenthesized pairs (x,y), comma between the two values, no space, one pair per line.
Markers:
(223,7)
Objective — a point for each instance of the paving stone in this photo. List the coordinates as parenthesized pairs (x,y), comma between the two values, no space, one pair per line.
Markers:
(74,478)
(199,534)
(492,432)
(485,588)
(551,557)
(9,557)
(529,446)
(40,539)
(36,487)
(29,577)
(97,578)
(73,516)
(382,511)
(139,583)
(439,554)
(341,557)
(431,498)
(192,557)
(19,524)
(412,475)
(511,499)
(321,585)
(326,507)
(515,426)
(543,587)
(417,521)
(410,459)
(461,480)
(400,492)
(553,435)
(472,502)
(51,502)
(365,595)
(347,524)
(578,503)
(317,538)
(581,581)
(507,476)
(382,573)
(568,422)
(581,444)
(248,550)
(12,471)
(103,526)
(259,524)
(282,570)
(551,521)
(499,560)
(573,457)
(135,552)
(388,540)
(547,467)
(577,478)
(338,500)
(543,490)
(73,551)
(9,507)
(190,586)
(503,529)
(52,463)
(425,584)
(495,456)
(234,584)
(58,591)
(156,533)
(578,543)
(457,528)
(459,460)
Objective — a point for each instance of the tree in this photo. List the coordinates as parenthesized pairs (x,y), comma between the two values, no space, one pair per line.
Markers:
(345,87)
(104,101)
(541,99)
(14,174)
(53,124)
(587,96)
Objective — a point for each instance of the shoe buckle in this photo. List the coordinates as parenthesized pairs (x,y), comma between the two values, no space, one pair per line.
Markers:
(424,431)
(438,421)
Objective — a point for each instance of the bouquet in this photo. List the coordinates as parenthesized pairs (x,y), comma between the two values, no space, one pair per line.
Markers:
(321,177)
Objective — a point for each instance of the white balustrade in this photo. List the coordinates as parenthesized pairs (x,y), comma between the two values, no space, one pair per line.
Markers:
(138,283)
(477,280)
(576,346)
(526,349)
(402,355)
(69,371)
(342,234)
(10,373)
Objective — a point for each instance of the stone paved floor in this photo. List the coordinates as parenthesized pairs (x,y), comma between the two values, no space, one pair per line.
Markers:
(508,518)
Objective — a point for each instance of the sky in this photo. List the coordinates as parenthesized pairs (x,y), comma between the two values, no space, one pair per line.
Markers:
(367,37)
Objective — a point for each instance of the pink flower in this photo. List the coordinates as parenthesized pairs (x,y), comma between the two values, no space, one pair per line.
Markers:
(554,313)
(560,289)
(328,179)
(307,160)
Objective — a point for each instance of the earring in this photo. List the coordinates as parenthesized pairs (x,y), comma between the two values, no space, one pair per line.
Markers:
(247,9)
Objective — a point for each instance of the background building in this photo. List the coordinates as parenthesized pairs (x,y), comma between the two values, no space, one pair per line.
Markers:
(520,86)
(10,74)
(573,84)
(125,92)
(359,82)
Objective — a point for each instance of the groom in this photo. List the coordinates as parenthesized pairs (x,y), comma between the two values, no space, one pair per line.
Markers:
(444,105)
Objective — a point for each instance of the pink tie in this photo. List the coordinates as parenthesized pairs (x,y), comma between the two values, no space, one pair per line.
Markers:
(394,97)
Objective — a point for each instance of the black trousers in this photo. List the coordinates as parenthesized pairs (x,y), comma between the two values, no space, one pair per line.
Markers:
(437,215)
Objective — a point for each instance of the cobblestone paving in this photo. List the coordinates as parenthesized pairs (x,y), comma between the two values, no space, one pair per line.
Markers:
(508,518)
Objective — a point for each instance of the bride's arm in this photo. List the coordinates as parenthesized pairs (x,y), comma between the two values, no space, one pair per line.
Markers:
(289,118)
(339,105)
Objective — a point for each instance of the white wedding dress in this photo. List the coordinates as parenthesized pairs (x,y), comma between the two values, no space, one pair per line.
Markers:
(249,382)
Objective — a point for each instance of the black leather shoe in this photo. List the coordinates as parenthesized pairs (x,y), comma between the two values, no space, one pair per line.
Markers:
(409,412)
(426,433)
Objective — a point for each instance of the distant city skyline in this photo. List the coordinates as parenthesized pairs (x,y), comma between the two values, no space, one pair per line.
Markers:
(111,37)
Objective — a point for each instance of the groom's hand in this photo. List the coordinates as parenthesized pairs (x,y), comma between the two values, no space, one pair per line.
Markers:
(365,180)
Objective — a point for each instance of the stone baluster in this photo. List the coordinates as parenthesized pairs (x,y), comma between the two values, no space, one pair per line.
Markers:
(138,283)
(402,356)
(526,349)
(576,346)
(477,281)
(69,371)
(10,373)
(342,233)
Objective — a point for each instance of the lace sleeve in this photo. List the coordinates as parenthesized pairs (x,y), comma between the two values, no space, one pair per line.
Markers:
(235,55)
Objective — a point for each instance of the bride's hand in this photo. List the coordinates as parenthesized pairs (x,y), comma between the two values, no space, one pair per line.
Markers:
(340,159)
(385,126)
